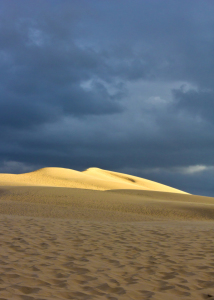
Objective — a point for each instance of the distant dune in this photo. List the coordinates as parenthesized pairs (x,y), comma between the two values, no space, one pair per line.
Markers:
(97,194)
(92,178)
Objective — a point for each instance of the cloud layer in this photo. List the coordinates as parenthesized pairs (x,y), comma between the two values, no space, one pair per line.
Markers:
(121,85)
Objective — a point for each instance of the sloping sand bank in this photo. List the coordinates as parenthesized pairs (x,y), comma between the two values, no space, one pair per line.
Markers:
(112,241)
(93,205)
(93,178)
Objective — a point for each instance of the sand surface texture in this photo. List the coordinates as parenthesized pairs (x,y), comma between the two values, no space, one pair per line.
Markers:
(93,178)
(103,235)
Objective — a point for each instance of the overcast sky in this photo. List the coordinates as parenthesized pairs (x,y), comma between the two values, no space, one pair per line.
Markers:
(123,85)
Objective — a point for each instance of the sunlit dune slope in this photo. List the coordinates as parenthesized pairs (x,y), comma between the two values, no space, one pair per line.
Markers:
(92,178)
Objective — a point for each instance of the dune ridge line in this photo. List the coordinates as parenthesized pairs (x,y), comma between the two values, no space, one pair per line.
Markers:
(92,178)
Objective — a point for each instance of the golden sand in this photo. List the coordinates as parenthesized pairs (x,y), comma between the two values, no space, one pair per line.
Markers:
(103,235)
(93,178)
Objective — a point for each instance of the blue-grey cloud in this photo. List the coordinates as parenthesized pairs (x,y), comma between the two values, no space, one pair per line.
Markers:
(121,85)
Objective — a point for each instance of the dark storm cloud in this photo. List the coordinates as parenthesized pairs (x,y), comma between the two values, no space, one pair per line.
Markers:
(122,85)
(198,103)
(42,75)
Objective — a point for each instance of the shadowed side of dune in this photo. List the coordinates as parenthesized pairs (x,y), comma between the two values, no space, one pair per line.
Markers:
(55,202)
(166,196)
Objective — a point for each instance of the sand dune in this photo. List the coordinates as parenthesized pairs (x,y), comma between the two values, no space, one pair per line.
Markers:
(93,178)
(115,205)
(102,235)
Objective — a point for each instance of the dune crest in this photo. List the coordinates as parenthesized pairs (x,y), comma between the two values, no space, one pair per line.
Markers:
(133,182)
(92,178)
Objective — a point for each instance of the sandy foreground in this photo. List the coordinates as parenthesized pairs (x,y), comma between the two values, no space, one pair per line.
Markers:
(103,235)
